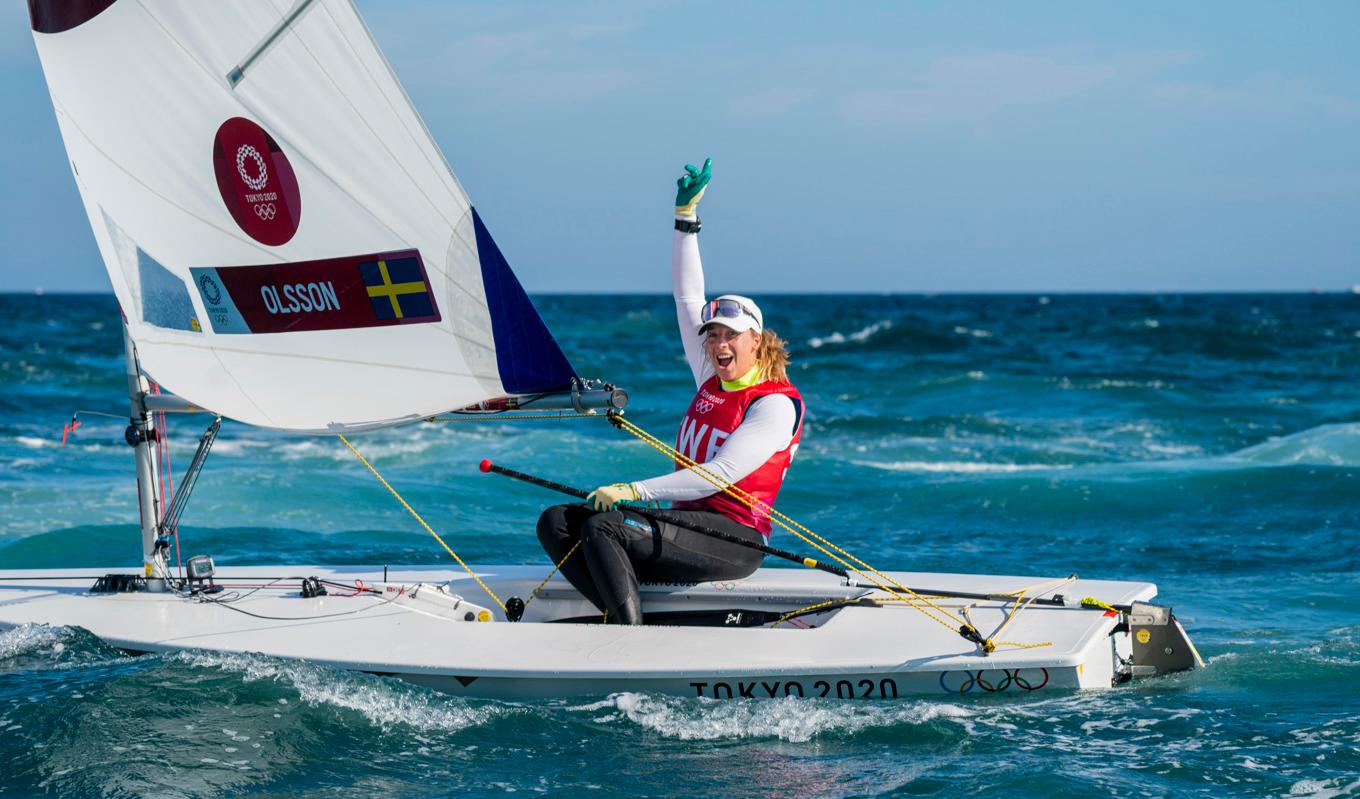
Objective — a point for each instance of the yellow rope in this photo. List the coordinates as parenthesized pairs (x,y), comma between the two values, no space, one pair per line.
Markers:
(555,569)
(427,527)
(837,554)
(808,609)
(841,556)
(1092,602)
(1021,602)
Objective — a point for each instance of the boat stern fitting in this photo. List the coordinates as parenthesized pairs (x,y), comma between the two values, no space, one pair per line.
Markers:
(1160,643)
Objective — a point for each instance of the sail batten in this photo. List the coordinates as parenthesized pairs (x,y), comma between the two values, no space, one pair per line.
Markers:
(291,250)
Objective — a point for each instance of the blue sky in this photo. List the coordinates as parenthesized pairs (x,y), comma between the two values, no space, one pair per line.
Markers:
(948,146)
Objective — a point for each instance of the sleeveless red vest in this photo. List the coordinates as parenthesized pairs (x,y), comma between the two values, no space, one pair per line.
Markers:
(711,418)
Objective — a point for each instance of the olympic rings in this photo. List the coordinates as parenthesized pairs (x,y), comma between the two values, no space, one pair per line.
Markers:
(255,182)
(989,687)
(992,685)
(266,210)
(1026,684)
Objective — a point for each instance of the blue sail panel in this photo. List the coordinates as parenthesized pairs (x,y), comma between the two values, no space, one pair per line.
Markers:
(527,355)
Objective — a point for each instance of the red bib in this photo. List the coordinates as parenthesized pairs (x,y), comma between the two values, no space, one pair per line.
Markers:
(711,418)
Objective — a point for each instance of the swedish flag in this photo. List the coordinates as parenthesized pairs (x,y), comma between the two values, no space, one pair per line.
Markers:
(397,288)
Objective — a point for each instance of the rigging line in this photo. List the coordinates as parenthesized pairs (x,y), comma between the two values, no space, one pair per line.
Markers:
(229,606)
(169,478)
(990,644)
(427,527)
(732,490)
(508,416)
(937,614)
(1022,602)
(555,569)
(122,417)
(746,499)
(180,500)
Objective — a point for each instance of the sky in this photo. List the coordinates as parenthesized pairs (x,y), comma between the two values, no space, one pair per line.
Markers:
(857,146)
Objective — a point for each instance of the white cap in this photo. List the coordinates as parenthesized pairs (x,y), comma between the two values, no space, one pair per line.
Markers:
(748,316)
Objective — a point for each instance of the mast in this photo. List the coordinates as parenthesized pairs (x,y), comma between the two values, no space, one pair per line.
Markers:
(141,435)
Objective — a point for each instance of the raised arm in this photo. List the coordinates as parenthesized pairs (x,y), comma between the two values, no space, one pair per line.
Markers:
(687,270)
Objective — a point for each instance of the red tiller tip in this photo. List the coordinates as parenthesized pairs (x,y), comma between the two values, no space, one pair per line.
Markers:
(485,465)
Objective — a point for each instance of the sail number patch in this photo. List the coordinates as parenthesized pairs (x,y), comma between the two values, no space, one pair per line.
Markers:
(373,290)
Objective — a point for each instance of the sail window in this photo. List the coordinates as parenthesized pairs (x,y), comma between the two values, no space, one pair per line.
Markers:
(165,299)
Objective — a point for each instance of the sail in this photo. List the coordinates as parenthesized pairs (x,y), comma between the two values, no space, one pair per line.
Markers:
(286,241)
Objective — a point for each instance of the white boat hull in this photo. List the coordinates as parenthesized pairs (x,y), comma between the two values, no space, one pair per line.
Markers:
(851,652)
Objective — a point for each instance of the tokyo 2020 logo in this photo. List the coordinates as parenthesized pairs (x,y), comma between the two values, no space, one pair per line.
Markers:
(256,181)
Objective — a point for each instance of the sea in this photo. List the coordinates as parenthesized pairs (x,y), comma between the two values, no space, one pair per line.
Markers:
(1209,443)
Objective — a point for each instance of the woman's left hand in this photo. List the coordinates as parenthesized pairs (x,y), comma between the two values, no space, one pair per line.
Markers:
(605,498)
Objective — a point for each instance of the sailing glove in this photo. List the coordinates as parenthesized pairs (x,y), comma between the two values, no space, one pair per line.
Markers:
(691,186)
(605,498)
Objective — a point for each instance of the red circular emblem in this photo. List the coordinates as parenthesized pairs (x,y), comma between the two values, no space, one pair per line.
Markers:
(256,181)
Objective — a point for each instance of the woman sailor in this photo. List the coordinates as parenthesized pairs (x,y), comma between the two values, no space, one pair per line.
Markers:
(742,426)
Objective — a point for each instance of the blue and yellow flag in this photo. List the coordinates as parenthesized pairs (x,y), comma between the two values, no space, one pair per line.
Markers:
(397,288)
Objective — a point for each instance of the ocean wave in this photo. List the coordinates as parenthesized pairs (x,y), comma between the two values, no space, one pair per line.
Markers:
(28,638)
(1327,445)
(383,703)
(789,718)
(859,336)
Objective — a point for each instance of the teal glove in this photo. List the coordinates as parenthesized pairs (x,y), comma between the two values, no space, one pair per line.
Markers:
(691,187)
(606,497)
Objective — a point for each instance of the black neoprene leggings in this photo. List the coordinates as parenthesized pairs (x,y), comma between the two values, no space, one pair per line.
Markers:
(620,547)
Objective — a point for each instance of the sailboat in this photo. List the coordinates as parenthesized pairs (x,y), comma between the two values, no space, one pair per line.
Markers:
(290,249)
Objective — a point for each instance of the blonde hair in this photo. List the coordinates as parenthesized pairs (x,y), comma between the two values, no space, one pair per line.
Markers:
(772,356)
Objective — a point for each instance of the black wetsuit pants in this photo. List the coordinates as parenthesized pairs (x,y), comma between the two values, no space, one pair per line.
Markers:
(620,547)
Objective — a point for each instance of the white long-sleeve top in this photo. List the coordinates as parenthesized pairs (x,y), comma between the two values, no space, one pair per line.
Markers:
(768,426)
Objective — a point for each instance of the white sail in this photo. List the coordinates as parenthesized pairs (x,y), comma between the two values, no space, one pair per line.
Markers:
(287,243)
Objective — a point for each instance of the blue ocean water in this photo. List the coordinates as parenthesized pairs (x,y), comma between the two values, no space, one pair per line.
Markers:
(1209,443)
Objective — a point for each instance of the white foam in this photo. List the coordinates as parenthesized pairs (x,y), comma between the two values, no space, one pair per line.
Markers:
(858,336)
(1323,789)
(34,443)
(789,719)
(382,703)
(28,638)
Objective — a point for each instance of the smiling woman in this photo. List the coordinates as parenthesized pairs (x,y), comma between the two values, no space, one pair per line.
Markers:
(742,427)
